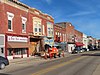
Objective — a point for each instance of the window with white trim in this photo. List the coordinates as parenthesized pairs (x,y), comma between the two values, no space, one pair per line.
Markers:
(24,20)
(50,29)
(37,27)
(10,18)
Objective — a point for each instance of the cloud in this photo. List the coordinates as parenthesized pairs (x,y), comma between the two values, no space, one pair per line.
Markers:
(81,13)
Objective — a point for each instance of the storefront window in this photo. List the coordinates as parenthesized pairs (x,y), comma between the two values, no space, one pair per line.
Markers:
(17,51)
(10,52)
(24,51)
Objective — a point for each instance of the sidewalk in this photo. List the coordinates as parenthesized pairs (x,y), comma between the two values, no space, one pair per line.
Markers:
(35,59)
(24,59)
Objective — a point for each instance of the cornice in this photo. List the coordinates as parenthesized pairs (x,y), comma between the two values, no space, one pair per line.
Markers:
(15,4)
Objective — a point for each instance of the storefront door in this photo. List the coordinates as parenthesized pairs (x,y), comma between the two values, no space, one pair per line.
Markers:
(2,51)
(2,45)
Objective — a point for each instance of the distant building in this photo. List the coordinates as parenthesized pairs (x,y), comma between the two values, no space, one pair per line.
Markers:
(85,41)
(70,39)
(60,36)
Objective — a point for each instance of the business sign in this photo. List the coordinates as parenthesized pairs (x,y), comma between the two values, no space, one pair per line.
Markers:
(49,41)
(17,39)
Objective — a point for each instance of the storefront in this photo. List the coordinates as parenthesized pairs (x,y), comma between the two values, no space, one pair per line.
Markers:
(16,46)
(49,41)
(36,45)
(71,47)
(79,45)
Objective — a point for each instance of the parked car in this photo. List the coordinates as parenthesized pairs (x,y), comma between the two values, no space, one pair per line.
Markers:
(85,49)
(74,51)
(78,50)
(3,62)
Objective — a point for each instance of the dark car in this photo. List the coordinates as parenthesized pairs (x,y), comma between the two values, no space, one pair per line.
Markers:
(78,50)
(85,49)
(74,51)
(3,62)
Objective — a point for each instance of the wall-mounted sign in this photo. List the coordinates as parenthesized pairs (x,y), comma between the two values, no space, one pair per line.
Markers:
(17,39)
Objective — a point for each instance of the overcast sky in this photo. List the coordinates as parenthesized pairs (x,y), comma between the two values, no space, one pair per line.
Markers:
(83,14)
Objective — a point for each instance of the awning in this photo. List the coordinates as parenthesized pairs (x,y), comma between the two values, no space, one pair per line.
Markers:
(17,45)
(79,44)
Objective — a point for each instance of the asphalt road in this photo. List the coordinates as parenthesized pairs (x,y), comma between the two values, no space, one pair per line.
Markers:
(81,64)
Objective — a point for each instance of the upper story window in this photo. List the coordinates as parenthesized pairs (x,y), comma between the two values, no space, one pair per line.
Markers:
(37,25)
(10,18)
(49,29)
(40,30)
(24,20)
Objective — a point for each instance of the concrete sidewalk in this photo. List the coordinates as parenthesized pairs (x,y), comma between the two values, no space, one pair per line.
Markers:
(35,58)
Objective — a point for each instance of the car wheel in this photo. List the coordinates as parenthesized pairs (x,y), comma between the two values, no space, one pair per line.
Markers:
(2,66)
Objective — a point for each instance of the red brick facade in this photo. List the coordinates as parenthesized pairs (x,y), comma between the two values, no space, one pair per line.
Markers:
(59,33)
(68,30)
(18,13)
(17,20)
(78,36)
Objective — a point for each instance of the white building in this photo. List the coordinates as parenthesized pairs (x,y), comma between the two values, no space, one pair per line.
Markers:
(85,41)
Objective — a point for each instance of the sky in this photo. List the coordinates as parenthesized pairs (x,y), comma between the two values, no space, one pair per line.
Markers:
(83,14)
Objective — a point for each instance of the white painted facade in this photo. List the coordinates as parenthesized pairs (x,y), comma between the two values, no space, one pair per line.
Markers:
(71,47)
(85,41)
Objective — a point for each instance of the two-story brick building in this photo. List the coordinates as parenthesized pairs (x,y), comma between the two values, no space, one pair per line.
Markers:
(41,28)
(60,36)
(69,34)
(22,29)
(78,39)
(14,29)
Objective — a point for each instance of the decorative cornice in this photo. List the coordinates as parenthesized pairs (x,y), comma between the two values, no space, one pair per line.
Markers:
(16,4)
(40,14)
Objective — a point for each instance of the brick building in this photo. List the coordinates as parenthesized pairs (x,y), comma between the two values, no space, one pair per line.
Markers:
(59,33)
(78,36)
(14,29)
(78,39)
(69,31)
(22,28)
(41,28)
(60,36)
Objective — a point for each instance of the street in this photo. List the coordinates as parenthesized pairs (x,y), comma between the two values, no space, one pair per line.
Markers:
(76,64)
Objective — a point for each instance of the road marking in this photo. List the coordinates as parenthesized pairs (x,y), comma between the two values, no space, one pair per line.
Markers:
(57,66)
